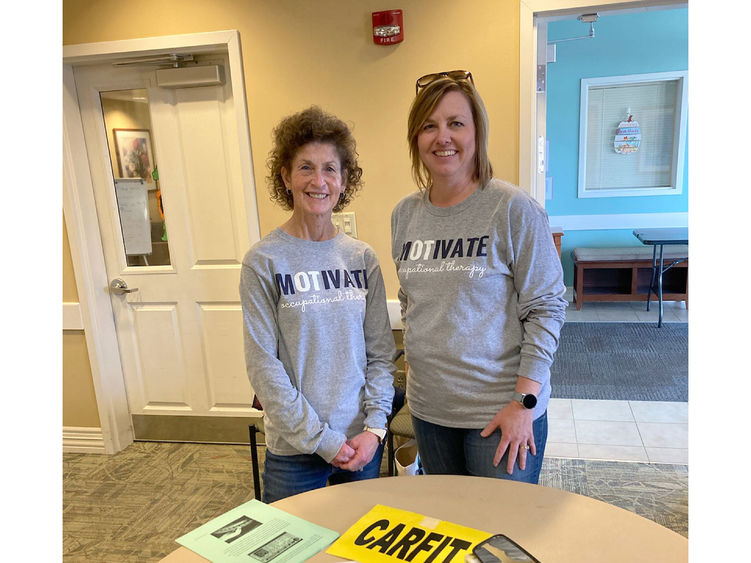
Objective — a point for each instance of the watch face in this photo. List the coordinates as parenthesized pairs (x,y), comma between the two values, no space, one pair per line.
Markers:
(529,401)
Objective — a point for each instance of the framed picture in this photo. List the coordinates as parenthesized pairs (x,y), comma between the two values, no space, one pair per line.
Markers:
(134,156)
(649,112)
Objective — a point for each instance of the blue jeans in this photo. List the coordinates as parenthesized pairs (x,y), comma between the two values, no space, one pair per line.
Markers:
(461,451)
(287,475)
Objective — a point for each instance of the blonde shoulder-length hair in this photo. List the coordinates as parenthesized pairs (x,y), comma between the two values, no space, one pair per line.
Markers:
(424,104)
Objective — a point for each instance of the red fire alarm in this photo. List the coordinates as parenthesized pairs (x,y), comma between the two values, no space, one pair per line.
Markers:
(388,27)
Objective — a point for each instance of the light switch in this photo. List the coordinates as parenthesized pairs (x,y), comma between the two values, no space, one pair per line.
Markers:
(346,223)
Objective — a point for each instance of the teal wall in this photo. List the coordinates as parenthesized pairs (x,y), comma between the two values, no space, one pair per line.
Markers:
(655,41)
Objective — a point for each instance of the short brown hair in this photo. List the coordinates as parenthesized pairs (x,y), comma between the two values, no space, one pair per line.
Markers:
(312,125)
(423,105)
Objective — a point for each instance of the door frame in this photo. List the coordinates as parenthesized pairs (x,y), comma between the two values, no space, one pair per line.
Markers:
(81,220)
(532,118)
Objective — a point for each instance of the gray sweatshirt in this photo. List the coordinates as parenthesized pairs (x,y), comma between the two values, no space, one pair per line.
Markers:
(482,302)
(318,342)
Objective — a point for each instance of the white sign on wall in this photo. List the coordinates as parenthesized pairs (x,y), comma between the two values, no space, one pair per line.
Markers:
(133,205)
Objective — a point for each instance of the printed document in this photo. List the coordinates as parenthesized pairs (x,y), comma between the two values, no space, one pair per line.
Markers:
(255,532)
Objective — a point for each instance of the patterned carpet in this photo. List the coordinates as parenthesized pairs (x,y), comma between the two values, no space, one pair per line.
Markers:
(622,361)
(132,505)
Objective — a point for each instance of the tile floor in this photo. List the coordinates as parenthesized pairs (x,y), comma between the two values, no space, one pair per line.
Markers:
(626,311)
(647,431)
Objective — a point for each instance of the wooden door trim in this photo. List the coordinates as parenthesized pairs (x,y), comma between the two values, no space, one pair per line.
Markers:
(91,276)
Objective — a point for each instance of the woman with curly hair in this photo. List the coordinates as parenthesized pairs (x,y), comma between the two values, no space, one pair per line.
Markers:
(318,342)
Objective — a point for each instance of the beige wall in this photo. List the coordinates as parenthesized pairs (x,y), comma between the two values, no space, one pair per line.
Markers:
(298,52)
(79,400)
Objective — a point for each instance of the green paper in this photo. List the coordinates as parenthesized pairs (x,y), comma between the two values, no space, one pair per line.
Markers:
(258,533)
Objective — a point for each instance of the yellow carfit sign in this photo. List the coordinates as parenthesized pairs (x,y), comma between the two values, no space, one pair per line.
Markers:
(390,535)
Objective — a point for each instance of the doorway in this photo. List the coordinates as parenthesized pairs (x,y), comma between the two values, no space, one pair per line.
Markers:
(160,204)
(580,48)
(533,18)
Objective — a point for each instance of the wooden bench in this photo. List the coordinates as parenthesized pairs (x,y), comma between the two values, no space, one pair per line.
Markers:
(624,274)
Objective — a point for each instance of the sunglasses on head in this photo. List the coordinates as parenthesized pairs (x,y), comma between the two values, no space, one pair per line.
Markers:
(452,74)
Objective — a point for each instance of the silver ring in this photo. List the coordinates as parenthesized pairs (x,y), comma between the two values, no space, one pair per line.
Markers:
(525,446)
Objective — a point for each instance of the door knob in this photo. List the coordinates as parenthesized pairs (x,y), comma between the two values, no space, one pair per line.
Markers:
(119,287)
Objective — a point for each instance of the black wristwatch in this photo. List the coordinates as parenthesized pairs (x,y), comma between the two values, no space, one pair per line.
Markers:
(528,400)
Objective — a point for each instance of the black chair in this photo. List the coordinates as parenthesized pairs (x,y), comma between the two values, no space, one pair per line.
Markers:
(396,407)
(400,421)
(255,429)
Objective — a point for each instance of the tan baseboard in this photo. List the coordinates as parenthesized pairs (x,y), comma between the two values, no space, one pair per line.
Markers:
(176,428)
(77,439)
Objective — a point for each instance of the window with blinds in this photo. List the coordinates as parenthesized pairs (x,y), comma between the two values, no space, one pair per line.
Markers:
(657,104)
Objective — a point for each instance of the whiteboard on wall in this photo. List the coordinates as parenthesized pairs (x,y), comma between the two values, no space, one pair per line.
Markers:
(133,205)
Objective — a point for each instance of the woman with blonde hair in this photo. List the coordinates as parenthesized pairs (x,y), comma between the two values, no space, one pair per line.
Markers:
(481,293)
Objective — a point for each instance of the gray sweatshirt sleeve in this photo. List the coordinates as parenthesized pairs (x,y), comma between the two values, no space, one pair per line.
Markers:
(538,279)
(400,293)
(291,413)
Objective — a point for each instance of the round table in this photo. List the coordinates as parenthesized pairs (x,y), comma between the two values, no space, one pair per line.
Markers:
(555,526)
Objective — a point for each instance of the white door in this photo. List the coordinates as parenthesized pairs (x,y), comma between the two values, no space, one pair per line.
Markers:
(180,327)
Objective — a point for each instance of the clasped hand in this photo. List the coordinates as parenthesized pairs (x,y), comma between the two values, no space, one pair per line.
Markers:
(517,436)
(357,452)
